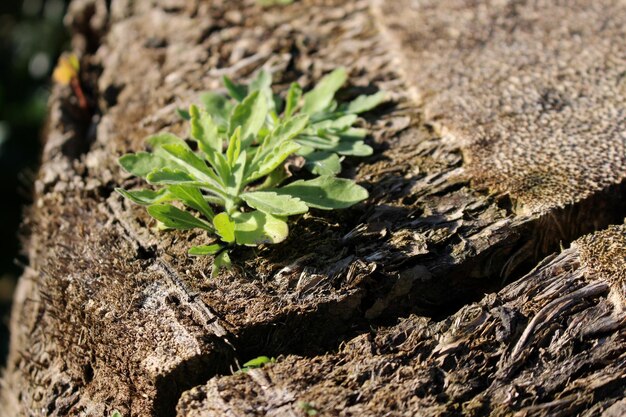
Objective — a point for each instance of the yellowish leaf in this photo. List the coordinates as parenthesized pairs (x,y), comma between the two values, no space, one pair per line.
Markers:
(66,69)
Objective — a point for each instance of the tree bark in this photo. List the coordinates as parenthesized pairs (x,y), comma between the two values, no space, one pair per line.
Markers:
(111,314)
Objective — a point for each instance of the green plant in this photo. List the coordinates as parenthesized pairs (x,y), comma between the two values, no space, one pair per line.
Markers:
(329,134)
(231,177)
(67,73)
(307,408)
(257,363)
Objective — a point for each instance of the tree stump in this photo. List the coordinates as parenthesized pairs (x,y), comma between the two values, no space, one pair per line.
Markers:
(549,344)
(503,143)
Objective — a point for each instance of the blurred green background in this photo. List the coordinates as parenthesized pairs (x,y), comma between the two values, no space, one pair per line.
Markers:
(31,37)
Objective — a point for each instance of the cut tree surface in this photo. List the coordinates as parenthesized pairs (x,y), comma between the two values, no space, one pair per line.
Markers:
(551,344)
(112,314)
(535,90)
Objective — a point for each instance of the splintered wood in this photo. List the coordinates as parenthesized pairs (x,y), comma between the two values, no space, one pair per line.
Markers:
(503,142)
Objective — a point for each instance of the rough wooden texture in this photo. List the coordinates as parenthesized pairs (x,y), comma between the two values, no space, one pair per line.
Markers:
(112,313)
(499,75)
(551,344)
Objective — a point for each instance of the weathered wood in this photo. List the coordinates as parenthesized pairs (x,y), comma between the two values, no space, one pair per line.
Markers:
(534,89)
(113,314)
(551,344)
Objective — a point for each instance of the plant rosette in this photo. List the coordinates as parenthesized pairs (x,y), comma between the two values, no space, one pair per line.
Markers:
(329,135)
(229,181)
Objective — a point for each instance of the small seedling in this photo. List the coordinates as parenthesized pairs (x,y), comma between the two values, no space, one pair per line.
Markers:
(116,413)
(66,73)
(329,134)
(257,363)
(307,408)
(232,182)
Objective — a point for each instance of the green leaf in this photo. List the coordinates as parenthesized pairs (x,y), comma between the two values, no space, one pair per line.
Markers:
(290,129)
(274,178)
(141,164)
(364,103)
(234,147)
(236,91)
(353,134)
(325,192)
(184,114)
(263,84)
(272,203)
(250,115)
(353,148)
(157,141)
(308,408)
(210,142)
(329,113)
(275,143)
(224,227)
(338,123)
(212,199)
(258,362)
(205,132)
(271,160)
(218,106)
(221,166)
(146,197)
(341,144)
(343,122)
(192,164)
(262,81)
(176,218)
(193,198)
(116,413)
(171,176)
(293,99)
(205,250)
(318,142)
(221,261)
(238,172)
(276,103)
(256,227)
(276,148)
(321,97)
(323,163)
